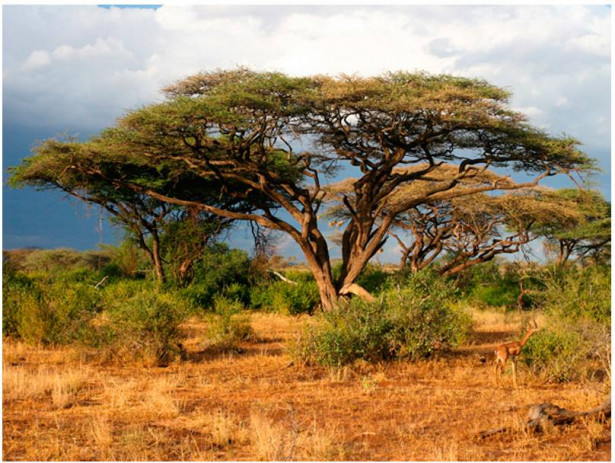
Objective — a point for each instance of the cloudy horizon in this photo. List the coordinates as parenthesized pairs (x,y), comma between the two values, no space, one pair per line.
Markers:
(76,69)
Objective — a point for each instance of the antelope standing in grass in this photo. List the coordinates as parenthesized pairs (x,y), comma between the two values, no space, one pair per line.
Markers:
(510,350)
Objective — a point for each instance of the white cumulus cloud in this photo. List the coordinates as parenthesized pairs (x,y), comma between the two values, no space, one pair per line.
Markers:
(37,59)
(96,63)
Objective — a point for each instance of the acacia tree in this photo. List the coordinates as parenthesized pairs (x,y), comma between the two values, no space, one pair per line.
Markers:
(586,234)
(469,229)
(150,222)
(274,142)
(475,229)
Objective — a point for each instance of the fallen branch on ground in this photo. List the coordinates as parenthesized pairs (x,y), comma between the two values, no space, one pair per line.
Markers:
(547,412)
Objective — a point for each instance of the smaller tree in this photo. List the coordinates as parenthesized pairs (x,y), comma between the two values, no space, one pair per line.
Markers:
(186,238)
(71,167)
(466,226)
(468,230)
(586,234)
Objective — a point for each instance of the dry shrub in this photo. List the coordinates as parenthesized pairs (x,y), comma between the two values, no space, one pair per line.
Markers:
(320,445)
(272,441)
(284,439)
(228,325)
(118,394)
(101,429)
(222,428)
(159,399)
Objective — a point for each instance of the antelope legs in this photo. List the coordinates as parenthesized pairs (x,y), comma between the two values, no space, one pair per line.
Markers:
(500,368)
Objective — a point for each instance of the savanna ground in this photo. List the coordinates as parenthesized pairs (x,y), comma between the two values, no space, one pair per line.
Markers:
(253,404)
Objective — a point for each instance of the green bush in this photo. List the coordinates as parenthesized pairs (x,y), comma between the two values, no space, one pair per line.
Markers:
(555,353)
(576,341)
(408,322)
(490,284)
(80,275)
(120,290)
(578,294)
(17,291)
(282,297)
(228,325)
(495,295)
(56,312)
(373,279)
(565,352)
(144,324)
(221,271)
(237,292)
(303,297)
(63,259)
(127,260)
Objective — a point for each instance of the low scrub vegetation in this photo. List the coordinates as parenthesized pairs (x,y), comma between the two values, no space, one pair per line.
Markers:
(228,325)
(576,340)
(241,342)
(144,325)
(410,320)
(43,311)
(109,302)
(282,297)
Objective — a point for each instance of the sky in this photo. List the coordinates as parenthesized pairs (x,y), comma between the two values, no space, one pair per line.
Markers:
(75,69)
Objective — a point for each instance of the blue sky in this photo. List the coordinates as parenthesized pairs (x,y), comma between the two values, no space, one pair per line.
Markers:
(75,69)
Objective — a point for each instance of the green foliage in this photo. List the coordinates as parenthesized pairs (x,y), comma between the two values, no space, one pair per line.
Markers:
(408,322)
(144,323)
(185,240)
(283,297)
(579,293)
(576,340)
(491,284)
(499,295)
(270,297)
(127,261)
(373,278)
(556,353)
(56,312)
(585,234)
(124,289)
(62,260)
(228,325)
(17,291)
(564,351)
(220,271)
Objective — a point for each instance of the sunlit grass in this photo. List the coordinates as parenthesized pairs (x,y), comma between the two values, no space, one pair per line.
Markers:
(254,406)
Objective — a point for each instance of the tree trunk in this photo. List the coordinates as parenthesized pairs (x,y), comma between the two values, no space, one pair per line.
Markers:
(317,257)
(328,295)
(158,265)
(182,271)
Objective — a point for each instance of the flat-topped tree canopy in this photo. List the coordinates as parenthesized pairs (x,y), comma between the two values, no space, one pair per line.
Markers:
(87,171)
(273,141)
(586,234)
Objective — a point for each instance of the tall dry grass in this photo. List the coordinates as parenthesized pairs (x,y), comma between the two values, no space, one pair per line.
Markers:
(254,406)
(61,386)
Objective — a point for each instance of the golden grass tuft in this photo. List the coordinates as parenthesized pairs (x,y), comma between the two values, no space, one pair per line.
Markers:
(270,440)
(62,386)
